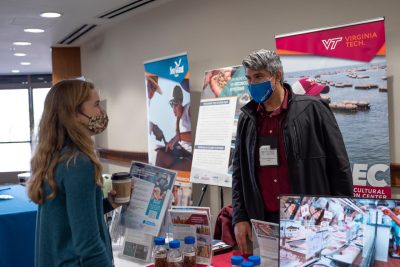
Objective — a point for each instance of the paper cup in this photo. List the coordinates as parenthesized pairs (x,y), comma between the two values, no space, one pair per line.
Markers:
(122,184)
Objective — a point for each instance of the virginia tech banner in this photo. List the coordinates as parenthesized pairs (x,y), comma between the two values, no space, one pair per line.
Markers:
(346,65)
(169,120)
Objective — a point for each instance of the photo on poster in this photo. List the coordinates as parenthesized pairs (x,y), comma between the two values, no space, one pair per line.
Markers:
(339,231)
(346,67)
(357,95)
(169,114)
(182,194)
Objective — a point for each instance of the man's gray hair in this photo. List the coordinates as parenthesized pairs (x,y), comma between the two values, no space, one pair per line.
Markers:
(264,60)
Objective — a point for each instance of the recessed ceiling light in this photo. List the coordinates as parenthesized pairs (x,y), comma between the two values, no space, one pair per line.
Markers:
(25,63)
(22,43)
(33,30)
(19,54)
(14,71)
(50,15)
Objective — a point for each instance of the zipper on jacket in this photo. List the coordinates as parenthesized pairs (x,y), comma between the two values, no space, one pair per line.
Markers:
(295,142)
(254,144)
(285,144)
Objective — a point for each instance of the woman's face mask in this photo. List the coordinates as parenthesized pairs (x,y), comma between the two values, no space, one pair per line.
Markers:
(261,92)
(97,124)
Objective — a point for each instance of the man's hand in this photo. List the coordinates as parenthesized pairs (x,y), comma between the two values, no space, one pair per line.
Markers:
(157,132)
(385,211)
(242,231)
(172,142)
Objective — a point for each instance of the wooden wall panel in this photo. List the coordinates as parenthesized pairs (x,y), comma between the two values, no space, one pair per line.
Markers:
(121,156)
(66,63)
(395,174)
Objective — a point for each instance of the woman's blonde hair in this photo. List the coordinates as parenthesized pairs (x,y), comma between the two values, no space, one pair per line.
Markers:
(59,127)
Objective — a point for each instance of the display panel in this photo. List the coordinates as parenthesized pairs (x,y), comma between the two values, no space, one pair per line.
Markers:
(338,231)
(346,66)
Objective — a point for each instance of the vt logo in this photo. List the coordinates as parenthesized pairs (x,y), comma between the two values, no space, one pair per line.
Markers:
(177,69)
(330,44)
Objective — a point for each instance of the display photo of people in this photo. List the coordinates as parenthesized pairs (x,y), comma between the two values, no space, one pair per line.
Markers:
(335,231)
(169,122)
(169,114)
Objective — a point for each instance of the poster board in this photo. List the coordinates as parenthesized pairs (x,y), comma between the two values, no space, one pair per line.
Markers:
(346,66)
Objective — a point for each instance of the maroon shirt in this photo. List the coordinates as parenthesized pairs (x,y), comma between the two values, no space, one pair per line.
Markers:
(272,180)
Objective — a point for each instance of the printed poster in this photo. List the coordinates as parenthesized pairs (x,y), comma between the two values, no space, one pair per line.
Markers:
(224,93)
(346,66)
(169,120)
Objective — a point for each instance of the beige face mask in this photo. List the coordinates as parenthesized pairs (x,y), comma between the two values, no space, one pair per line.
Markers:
(97,124)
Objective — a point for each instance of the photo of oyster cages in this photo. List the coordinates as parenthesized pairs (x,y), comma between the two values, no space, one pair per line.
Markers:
(357,95)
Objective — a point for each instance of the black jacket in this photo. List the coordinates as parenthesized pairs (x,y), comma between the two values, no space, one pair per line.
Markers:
(314,148)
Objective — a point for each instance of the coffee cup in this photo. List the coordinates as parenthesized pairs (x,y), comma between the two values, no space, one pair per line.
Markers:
(122,185)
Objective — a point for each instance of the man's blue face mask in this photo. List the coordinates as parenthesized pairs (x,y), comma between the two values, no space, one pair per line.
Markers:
(260,92)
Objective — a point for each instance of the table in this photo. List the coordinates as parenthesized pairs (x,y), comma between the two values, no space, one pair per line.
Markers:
(17,228)
(217,261)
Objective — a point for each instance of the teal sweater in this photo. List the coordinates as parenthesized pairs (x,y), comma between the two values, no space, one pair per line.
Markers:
(70,229)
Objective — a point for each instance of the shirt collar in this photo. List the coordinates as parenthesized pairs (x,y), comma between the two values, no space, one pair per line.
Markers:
(280,109)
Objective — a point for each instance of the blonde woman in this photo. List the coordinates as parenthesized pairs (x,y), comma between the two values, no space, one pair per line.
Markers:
(66,180)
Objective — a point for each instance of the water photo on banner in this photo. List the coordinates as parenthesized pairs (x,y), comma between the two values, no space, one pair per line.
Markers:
(346,66)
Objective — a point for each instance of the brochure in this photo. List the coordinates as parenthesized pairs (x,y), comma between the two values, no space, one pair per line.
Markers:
(140,221)
(193,221)
(266,238)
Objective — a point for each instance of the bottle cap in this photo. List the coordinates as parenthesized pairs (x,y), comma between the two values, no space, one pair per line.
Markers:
(236,260)
(255,259)
(174,244)
(159,241)
(247,264)
(189,240)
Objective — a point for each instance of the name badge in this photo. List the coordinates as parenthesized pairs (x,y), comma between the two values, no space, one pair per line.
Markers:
(268,151)
(268,156)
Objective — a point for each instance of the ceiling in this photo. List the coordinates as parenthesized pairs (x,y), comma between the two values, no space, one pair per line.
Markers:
(16,15)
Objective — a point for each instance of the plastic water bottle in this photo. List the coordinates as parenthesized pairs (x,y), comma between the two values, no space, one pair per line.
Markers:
(247,264)
(160,252)
(256,260)
(189,252)
(236,261)
(174,256)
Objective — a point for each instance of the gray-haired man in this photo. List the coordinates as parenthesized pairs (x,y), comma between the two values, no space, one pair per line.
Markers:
(285,144)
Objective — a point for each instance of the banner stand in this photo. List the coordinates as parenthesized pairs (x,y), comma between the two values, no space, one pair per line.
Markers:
(203,189)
